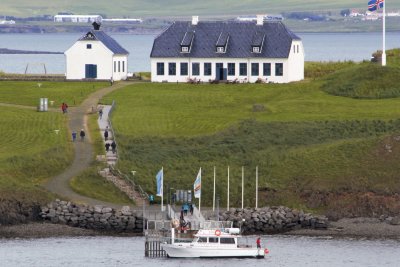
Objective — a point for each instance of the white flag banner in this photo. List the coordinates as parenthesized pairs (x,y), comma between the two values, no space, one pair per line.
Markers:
(197,185)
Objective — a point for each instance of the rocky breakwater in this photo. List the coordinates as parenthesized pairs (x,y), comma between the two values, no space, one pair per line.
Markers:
(272,220)
(92,217)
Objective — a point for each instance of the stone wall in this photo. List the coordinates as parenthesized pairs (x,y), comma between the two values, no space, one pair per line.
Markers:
(272,220)
(92,217)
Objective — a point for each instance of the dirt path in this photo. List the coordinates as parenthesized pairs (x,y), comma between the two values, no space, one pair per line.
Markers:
(83,150)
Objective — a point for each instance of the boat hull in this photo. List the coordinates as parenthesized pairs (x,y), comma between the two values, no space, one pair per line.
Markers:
(176,251)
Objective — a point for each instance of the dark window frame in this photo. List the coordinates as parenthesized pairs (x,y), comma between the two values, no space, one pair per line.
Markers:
(255,69)
(160,68)
(184,67)
(231,69)
(279,69)
(195,69)
(266,69)
(242,69)
(172,68)
(88,46)
(207,69)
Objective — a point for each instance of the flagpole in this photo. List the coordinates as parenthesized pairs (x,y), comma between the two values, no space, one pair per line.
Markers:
(256,187)
(227,202)
(200,193)
(384,35)
(162,189)
(214,192)
(242,186)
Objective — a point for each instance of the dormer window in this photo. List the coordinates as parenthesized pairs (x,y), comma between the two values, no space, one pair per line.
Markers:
(256,49)
(185,49)
(220,49)
(187,42)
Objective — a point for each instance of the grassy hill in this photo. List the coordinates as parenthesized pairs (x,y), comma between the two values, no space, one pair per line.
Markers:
(313,149)
(175,8)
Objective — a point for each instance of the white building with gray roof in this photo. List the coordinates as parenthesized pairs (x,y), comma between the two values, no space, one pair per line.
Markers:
(228,51)
(96,56)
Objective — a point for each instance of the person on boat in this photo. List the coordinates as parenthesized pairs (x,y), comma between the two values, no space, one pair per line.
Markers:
(258,242)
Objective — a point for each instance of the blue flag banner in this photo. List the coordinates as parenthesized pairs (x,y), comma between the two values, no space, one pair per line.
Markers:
(373,5)
(197,185)
(159,179)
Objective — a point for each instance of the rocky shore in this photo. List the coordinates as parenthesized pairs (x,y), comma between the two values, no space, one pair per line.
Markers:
(272,220)
(96,218)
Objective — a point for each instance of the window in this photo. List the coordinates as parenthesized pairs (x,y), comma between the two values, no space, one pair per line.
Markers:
(220,49)
(267,69)
(160,68)
(185,49)
(255,69)
(207,69)
(256,49)
(195,69)
(115,66)
(172,69)
(184,69)
(213,240)
(202,240)
(298,48)
(89,46)
(243,69)
(225,240)
(278,69)
(231,69)
(294,48)
(119,66)
(123,66)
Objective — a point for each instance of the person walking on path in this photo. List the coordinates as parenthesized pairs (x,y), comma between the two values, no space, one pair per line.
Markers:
(82,135)
(191,209)
(113,146)
(64,108)
(107,145)
(101,113)
(105,135)
(258,241)
(73,136)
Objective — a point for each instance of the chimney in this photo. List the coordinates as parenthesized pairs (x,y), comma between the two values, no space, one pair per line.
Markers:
(96,25)
(260,20)
(195,20)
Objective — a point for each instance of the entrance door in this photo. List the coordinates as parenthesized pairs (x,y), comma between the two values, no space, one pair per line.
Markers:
(90,71)
(221,73)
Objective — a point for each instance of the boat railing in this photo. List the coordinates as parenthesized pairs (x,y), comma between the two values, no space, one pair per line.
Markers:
(211,225)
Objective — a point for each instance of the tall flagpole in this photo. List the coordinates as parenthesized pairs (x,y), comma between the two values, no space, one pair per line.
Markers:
(214,192)
(227,202)
(200,192)
(384,35)
(242,186)
(256,187)
(162,189)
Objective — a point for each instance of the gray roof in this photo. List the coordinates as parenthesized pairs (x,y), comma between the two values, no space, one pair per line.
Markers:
(274,37)
(109,42)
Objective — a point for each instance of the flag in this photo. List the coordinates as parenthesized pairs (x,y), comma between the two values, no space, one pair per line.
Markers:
(159,179)
(373,5)
(197,185)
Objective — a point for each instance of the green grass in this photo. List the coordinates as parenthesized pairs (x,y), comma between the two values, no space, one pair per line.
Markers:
(29,93)
(175,7)
(90,184)
(31,150)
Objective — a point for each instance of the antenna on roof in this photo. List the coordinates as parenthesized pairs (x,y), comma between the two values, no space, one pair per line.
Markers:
(96,25)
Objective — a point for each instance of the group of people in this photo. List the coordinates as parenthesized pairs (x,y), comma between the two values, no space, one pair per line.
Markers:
(82,134)
(64,108)
(187,207)
(113,146)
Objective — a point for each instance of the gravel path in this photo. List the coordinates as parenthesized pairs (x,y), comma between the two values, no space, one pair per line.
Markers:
(83,150)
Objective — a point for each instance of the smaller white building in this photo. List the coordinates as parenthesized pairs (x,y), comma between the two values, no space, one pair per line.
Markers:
(96,56)
(78,18)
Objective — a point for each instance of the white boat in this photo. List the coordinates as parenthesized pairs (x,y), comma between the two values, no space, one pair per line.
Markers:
(213,244)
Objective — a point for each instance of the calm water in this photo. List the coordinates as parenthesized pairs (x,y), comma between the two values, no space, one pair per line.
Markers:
(318,47)
(115,251)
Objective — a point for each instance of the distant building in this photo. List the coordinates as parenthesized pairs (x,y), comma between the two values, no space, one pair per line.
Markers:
(124,20)
(78,18)
(96,56)
(7,22)
(393,14)
(242,51)
(266,18)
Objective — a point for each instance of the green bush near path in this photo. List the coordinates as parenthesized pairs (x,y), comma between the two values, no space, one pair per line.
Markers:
(91,184)
(29,93)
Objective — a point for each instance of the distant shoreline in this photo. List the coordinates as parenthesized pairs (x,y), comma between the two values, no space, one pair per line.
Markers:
(14,52)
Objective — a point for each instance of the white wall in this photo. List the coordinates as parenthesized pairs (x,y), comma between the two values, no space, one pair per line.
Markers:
(287,69)
(78,56)
(120,72)
(296,61)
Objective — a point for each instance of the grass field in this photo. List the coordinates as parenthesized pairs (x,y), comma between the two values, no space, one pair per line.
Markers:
(143,8)
(31,150)
(305,140)
(29,93)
